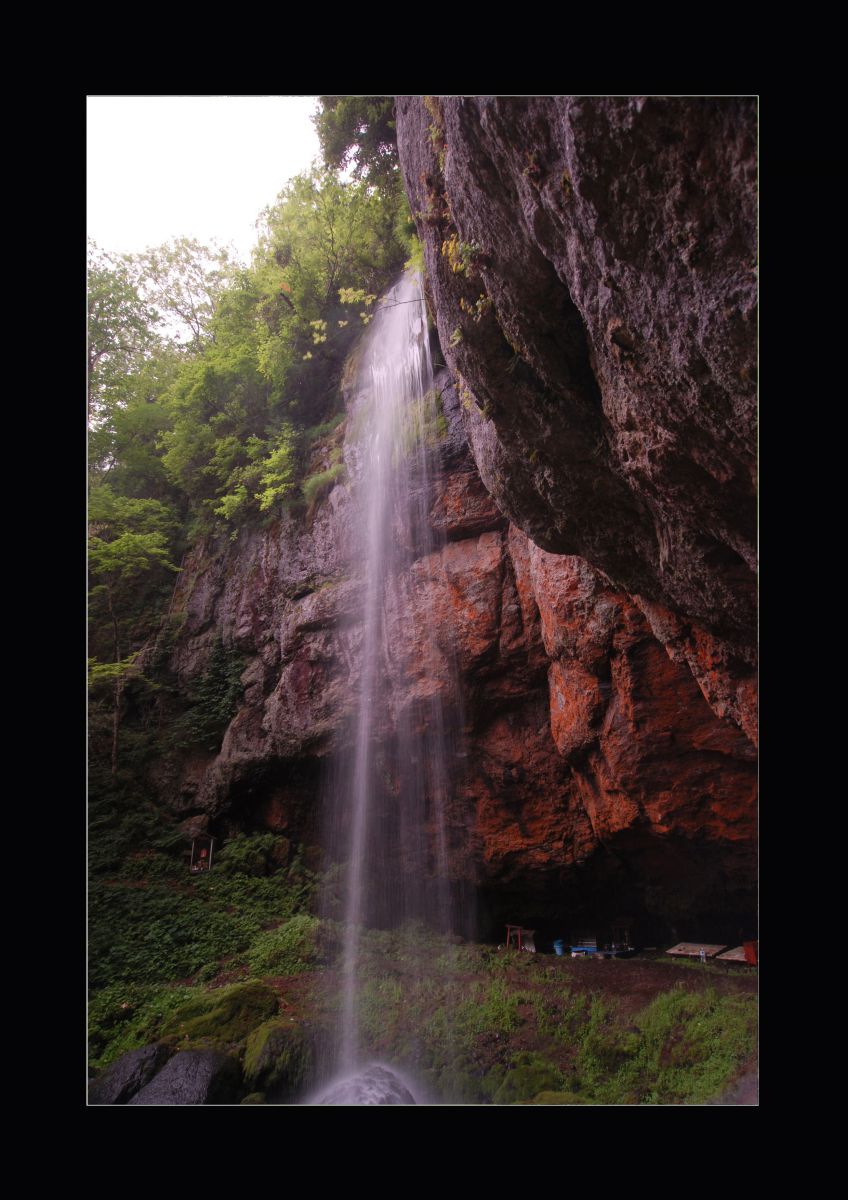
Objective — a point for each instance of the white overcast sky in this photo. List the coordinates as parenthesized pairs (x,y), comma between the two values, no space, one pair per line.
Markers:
(197,166)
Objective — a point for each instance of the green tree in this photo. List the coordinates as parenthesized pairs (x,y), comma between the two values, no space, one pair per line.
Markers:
(122,326)
(129,557)
(275,345)
(184,280)
(359,132)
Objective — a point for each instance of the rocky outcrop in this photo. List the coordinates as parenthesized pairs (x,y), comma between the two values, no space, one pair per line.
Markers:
(193,1077)
(128,1075)
(591,266)
(588,763)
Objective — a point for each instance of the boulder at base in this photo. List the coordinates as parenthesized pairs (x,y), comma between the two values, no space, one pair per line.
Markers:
(127,1075)
(193,1077)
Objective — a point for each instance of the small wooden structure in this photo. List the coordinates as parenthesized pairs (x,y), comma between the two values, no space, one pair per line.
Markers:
(702,950)
(746,953)
(202,847)
(735,955)
(521,939)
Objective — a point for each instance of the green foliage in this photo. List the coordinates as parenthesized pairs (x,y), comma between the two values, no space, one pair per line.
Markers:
(127,556)
(124,1016)
(318,432)
(292,948)
(154,934)
(359,132)
(277,341)
(529,1074)
(689,1045)
(107,673)
(314,487)
(255,855)
(122,325)
(152,922)
(214,698)
(461,256)
(185,280)
(415,262)
(277,481)
(478,309)
(491,1009)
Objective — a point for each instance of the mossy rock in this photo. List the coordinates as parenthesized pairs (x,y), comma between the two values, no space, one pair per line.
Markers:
(458,1086)
(529,1076)
(254,1098)
(559,1098)
(223,1016)
(492,1080)
(279,1057)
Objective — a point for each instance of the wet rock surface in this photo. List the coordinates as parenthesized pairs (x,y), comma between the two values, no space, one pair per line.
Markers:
(128,1075)
(372,1085)
(193,1077)
(591,263)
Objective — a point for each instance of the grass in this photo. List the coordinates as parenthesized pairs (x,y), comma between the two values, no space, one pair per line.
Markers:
(694,964)
(316,486)
(124,1016)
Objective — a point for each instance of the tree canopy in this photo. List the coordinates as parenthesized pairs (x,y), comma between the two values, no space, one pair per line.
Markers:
(358,132)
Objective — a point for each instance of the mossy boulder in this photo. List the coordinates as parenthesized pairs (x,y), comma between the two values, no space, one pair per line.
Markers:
(254,1098)
(559,1098)
(530,1075)
(279,1057)
(223,1016)
(461,1085)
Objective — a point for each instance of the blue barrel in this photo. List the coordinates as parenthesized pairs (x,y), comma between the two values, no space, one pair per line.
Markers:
(559,947)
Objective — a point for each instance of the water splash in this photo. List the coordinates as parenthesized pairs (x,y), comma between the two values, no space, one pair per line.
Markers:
(374,1084)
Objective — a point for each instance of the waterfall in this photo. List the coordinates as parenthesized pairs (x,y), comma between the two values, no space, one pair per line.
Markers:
(391,788)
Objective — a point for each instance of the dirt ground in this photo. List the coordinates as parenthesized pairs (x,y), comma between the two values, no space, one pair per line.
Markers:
(636,981)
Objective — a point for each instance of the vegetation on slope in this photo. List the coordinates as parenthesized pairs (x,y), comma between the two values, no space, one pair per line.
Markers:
(236,960)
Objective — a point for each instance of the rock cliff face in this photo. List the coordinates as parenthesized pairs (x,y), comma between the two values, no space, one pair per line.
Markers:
(591,264)
(593,776)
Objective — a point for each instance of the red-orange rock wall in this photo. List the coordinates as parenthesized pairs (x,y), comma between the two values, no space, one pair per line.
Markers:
(592,763)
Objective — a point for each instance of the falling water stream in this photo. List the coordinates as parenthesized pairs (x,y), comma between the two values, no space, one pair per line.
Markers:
(391,788)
